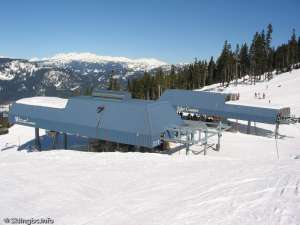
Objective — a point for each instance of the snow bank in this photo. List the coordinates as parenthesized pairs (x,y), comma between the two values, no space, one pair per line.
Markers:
(124,189)
(52,102)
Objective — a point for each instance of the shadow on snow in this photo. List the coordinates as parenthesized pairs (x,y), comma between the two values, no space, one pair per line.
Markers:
(74,142)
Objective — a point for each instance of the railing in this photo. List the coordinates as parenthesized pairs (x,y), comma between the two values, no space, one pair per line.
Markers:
(191,135)
(289,120)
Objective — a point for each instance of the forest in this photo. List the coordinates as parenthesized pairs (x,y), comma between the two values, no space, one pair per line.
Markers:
(259,60)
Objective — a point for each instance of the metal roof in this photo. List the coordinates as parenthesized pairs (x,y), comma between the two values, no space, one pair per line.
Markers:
(134,122)
(111,94)
(194,99)
(212,103)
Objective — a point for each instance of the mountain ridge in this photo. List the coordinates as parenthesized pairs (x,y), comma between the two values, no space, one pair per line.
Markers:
(94,58)
(68,72)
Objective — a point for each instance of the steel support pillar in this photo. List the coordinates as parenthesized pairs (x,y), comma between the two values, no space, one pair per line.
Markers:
(65,140)
(219,142)
(276,130)
(219,136)
(56,140)
(187,149)
(205,143)
(37,139)
(137,148)
(249,127)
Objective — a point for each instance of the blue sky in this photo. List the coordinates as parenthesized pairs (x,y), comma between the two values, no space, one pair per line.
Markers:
(173,31)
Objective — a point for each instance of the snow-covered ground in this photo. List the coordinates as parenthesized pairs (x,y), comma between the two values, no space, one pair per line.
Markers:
(243,184)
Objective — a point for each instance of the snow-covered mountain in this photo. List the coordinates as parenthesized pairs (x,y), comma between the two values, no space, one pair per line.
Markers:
(67,71)
(134,64)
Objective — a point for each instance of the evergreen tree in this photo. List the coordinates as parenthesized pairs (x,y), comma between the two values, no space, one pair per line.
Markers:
(113,83)
(173,78)
(269,36)
(244,60)
(237,63)
(298,49)
(211,71)
(282,58)
(88,91)
(224,64)
(293,49)
(269,50)
(255,61)
(129,85)
(258,55)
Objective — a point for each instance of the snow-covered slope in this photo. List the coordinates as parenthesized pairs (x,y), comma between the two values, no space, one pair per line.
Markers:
(242,184)
(283,89)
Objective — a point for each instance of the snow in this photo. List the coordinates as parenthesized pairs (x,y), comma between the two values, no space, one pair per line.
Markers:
(6,76)
(142,63)
(282,90)
(52,102)
(15,67)
(242,184)
(75,88)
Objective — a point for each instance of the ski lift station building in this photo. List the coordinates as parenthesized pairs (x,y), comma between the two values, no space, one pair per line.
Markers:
(116,117)
(107,115)
(219,104)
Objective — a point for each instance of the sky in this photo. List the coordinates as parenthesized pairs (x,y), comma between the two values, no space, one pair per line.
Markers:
(174,31)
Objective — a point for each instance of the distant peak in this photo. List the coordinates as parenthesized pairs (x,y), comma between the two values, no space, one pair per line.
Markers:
(93,58)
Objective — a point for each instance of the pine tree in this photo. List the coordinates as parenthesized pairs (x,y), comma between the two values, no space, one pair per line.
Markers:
(293,49)
(114,84)
(129,85)
(203,73)
(270,52)
(254,61)
(258,55)
(269,36)
(117,86)
(252,55)
(211,71)
(237,63)
(172,77)
(224,64)
(111,81)
(244,60)
(88,91)
(298,49)
(264,54)
(282,58)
